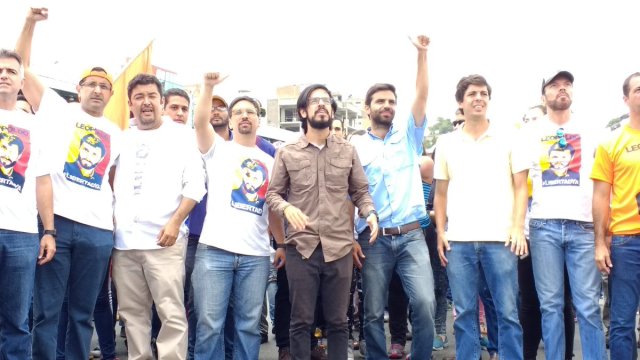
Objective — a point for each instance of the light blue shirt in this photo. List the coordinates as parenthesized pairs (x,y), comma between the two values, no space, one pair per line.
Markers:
(391,165)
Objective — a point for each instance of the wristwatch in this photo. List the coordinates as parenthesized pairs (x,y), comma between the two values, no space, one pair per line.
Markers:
(51,232)
(374,213)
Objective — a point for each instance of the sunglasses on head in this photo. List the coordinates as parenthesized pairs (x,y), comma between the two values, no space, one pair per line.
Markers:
(562,140)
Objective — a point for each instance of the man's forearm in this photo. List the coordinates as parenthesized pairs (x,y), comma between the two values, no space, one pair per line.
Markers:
(44,200)
(183,210)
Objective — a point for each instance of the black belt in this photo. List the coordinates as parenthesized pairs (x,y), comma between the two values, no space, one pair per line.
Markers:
(399,230)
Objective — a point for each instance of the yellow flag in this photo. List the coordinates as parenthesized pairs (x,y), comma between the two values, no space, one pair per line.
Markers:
(117,109)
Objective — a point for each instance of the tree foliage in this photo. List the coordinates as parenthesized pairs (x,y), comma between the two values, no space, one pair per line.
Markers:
(441,126)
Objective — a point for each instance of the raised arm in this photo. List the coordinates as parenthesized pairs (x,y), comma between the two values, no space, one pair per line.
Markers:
(204,130)
(33,89)
(419,108)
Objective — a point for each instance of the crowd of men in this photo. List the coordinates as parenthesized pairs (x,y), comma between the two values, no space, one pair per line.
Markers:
(192,225)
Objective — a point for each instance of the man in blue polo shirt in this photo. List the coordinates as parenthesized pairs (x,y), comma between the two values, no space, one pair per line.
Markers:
(390,154)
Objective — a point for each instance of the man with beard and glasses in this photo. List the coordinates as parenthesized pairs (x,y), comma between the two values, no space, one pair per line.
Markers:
(232,260)
(83,206)
(390,154)
(561,224)
(319,176)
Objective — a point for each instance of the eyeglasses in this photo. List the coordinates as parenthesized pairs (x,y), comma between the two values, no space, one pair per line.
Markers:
(562,140)
(94,85)
(337,129)
(239,112)
(219,108)
(316,100)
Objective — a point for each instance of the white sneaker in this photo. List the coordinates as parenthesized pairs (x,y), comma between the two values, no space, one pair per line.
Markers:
(350,352)
(95,353)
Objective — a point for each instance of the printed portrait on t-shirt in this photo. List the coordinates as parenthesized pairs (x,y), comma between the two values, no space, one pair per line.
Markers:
(15,150)
(561,163)
(250,187)
(88,157)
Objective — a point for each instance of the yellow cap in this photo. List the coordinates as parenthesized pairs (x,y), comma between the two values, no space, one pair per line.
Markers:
(96,71)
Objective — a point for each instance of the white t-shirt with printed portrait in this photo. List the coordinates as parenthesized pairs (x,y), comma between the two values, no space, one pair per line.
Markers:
(21,162)
(83,151)
(237,213)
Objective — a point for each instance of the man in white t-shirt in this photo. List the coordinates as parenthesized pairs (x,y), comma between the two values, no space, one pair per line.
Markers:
(159,178)
(25,189)
(480,204)
(82,202)
(561,227)
(232,261)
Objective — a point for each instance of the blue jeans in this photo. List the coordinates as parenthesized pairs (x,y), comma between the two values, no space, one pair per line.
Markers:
(80,264)
(18,254)
(624,281)
(103,319)
(466,262)
(408,255)
(554,242)
(490,315)
(218,277)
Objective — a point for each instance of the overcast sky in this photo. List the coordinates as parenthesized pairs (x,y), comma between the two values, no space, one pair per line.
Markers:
(349,45)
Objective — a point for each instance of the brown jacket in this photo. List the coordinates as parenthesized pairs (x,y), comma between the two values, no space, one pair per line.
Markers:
(321,183)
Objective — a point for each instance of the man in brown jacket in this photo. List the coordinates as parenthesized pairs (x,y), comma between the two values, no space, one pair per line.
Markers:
(319,175)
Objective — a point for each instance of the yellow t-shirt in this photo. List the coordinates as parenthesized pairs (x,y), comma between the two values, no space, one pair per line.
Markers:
(617,162)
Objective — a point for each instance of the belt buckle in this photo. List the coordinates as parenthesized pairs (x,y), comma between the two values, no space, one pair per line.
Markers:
(397,228)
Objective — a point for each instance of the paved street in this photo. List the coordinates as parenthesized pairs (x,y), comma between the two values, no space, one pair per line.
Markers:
(269,351)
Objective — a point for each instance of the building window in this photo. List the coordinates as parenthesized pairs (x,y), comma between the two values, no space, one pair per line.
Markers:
(290,115)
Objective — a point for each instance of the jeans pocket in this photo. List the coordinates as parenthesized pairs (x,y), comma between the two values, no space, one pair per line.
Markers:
(535,224)
(618,241)
(586,226)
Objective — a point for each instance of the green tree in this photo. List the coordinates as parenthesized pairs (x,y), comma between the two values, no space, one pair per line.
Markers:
(441,126)
(615,122)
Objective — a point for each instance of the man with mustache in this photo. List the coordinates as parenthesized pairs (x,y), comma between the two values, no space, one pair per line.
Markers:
(151,205)
(390,154)
(83,207)
(561,224)
(319,176)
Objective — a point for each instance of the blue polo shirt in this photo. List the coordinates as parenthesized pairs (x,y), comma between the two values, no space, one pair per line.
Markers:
(391,165)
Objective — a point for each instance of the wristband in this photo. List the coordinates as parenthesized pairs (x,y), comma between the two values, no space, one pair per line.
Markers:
(281,246)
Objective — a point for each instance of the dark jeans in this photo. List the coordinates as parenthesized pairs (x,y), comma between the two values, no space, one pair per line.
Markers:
(440,280)
(356,287)
(76,272)
(398,300)
(306,278)
(530,316)
(397,305)
(192,319)
(104,320)
(490,314)
(283,310)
